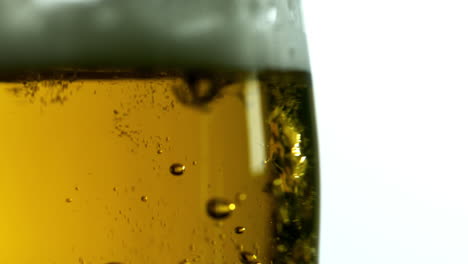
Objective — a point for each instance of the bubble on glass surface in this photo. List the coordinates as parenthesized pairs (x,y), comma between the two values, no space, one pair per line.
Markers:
(177,169)
(219,208)
(186,261)
(240,197)
(240,247)
(248,258)
(192,247)
(199,89)
(239,229)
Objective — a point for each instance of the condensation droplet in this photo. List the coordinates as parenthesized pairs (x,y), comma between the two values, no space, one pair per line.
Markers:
(219,208)
(68,200)
(240,229)
(177,169)
(144,198)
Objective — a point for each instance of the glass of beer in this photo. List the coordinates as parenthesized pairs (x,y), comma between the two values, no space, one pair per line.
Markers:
(156,132)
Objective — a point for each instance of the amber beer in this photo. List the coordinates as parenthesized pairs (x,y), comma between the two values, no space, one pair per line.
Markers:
(157,167)
(140,132)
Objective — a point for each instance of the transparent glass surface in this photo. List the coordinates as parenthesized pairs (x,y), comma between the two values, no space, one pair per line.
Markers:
(156,132)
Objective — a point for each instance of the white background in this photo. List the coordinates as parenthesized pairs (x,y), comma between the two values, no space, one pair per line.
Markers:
(391,90)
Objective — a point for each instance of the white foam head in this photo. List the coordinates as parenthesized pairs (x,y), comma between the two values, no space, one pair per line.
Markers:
(259,34)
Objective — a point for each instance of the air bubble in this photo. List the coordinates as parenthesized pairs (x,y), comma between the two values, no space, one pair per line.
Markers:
(240,230)
(240,197)
(177,169)
(144,198)
(68,200)
(219,208)
(240,247)
(248,258)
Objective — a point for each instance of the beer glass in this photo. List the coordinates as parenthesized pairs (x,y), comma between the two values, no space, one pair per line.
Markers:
(156,131)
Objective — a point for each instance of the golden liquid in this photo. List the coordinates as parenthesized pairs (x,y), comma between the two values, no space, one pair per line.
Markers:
(157,167)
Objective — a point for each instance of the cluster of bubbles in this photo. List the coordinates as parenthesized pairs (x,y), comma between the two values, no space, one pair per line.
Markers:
(216,208)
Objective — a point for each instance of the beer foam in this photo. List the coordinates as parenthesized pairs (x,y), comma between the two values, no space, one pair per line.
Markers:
(262,34)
